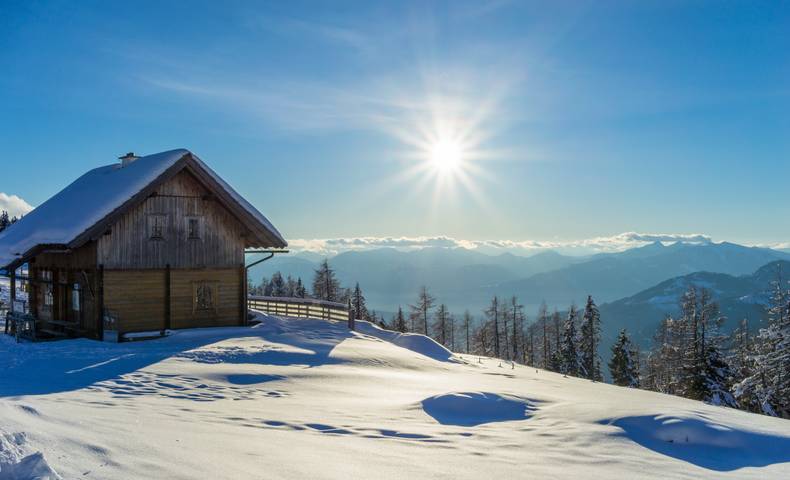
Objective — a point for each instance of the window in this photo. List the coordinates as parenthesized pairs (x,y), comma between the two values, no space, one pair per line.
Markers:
(49,299)
(156,227)
(194,227)
(46,279)
(75,297)
(205,296)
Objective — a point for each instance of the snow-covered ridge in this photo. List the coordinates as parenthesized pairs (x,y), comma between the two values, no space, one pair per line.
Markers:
(303,398)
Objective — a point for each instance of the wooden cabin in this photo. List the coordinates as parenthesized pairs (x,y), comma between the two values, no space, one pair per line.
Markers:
(145,244)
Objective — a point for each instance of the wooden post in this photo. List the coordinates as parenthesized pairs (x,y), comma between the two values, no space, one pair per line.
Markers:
(100,302)
(167,299)
(13,296)
(32,293)
(244,293)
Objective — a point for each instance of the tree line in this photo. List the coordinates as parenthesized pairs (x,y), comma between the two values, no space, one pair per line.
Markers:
(6,220)
(568,346)
(689,355)
(325,286)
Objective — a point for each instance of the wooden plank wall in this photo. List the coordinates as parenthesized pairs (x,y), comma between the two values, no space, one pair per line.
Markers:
(222,239)
(137,298)
(80,258)
(228,311)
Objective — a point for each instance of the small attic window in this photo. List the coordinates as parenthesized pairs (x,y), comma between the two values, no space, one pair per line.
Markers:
(194,228)
(156,227)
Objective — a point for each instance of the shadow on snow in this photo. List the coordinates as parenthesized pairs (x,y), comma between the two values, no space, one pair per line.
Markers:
(469,409)
(704,443)
(66,365)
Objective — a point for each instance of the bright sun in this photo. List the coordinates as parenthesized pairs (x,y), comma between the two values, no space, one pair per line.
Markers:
(445,155)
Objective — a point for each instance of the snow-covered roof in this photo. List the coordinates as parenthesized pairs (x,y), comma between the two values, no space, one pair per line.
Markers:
(95,195)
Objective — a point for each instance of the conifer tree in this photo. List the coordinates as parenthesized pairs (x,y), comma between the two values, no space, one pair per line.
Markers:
(665,361)
(266,287)
(517,311)
(767,389)
(421,311)
(492,314)
(504,315)
(325,284)
(278,285)
(589,338)
(4,220)
(467,322)
(530,345)
(358,304)
(399,323)
(556,328)
(623,366)
(705,373)
(301,292)
(741,352)
(441,325)
(569,350)
(543,321)
(451,331)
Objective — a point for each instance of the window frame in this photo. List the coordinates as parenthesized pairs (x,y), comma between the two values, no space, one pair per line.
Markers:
(153,225)
(76,297)
(48,292)
(197,233)
(199,286)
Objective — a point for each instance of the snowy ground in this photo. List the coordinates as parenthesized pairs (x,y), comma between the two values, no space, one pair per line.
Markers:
(309,399)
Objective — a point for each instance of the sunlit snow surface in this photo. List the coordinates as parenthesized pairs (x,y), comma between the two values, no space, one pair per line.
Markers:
(294,398)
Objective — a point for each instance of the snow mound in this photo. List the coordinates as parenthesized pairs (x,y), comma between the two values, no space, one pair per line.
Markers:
(704,443)
(410,341)
(16,464)
(469,409)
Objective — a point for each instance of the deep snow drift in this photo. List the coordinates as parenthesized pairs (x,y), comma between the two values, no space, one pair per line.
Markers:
(297,398)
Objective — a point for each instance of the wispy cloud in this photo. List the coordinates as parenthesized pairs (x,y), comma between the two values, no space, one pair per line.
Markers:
(342,35)
(614,243)
(14,205)
(389,102)
(396,78)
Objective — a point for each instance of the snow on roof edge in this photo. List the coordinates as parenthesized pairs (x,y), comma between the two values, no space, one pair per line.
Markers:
(63,217)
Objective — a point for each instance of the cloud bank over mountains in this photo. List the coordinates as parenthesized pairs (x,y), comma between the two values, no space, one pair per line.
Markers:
(615,243)
(16,206)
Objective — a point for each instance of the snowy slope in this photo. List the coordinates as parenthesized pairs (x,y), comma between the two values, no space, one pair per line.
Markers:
(309,399)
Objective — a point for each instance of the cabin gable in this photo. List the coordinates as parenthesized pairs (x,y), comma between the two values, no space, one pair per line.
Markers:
(181,224)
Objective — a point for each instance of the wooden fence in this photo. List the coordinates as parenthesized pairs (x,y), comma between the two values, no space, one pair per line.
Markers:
(299,307)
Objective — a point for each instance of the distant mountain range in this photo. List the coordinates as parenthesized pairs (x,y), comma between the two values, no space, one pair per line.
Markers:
(739,297)
(466,279)
(391,277)
(609,277)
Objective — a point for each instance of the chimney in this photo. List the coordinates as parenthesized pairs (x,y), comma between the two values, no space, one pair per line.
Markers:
(128,159)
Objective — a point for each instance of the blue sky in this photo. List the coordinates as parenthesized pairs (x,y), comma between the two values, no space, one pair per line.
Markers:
(579,119)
